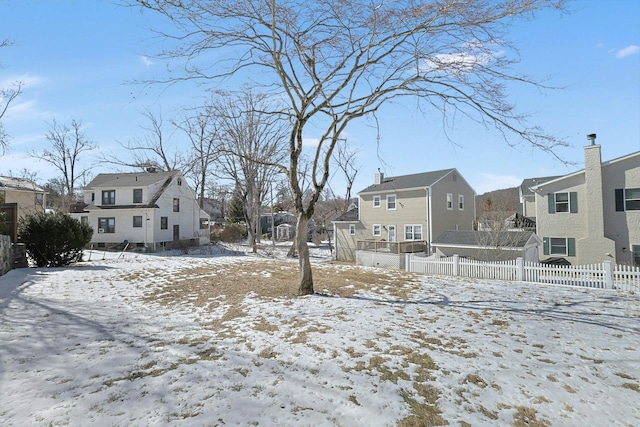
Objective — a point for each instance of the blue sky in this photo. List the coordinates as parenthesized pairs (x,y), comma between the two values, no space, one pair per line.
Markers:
(77,58)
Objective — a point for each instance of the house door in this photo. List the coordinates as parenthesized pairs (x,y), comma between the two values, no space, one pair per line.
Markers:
(392,233)
(176,232)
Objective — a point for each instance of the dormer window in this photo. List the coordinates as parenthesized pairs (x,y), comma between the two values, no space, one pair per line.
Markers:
(137,195)
(109,197)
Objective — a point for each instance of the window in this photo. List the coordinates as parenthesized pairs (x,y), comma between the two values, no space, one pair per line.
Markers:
(460,202)
(40,199)
(204,223)
(627,199)
(449,201)
(636,255)
(137,221)
(93,197)
(376,201)
(392,233)
(391,202)
(109,197)
(137,195)
(106,225)
(352,229)
(413,232)
(559,246)
(84,220)
(164,223)
(179,181)
(377,230)
(563,202)
(176,205)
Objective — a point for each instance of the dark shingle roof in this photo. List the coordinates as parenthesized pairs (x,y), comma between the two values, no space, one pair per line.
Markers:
(348,216)
(526,185)
(416,180)
(481,238)
(115,180)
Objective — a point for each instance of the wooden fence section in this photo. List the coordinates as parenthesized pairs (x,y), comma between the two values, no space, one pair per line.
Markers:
(603,276)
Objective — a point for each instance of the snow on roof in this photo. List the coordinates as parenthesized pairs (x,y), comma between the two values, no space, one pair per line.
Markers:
(19,184)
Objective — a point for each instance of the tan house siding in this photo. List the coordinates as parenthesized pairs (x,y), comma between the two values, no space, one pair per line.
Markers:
(411,209)
(345,243)
(445,219)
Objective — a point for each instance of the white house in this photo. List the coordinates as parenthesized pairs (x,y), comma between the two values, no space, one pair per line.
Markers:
(145,209)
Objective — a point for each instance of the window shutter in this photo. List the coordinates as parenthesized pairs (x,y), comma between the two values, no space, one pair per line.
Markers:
(573,202)
(571,246)
(619,199)
(545,245)
(552,202)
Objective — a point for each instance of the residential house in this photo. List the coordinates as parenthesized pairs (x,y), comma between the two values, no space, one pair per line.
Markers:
(406,209)
(528,197)
(489,245)
(592,215)
(145,209)
(19,197)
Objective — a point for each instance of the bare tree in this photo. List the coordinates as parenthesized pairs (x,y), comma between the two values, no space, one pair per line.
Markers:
(7,96)
(499,229)
(334,61)
(205,148)
(67,145)
(152,150)
(252,150)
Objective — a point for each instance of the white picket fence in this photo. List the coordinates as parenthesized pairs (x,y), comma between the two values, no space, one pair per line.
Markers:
(604,275)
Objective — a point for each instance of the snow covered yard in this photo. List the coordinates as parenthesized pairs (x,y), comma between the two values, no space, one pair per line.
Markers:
(216,340)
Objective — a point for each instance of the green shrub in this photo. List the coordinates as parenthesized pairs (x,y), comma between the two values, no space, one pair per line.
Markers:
(54,240)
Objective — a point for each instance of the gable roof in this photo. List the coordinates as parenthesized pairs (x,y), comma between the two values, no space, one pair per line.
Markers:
(131,179)
(516,239)
(404,182)
(528,183)
(19,184)
(349,216)
(581,171)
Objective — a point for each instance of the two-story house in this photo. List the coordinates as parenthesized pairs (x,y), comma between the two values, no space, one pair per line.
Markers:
(592,215)
(146,209)
(19,197)
(406,208)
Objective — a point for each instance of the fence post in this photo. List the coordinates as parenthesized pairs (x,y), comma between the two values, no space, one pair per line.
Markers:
(608,275)
(407,262)
(519,269)
(456,265)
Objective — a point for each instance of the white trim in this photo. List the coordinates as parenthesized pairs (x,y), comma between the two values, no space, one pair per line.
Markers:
(395,202)
(460,202)
(379,199)
(373,231)
(449,201)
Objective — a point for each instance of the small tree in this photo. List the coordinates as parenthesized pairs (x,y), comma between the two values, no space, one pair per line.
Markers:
(54,240)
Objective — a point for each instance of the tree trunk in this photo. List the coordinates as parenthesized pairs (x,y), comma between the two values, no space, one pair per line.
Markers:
(306,278)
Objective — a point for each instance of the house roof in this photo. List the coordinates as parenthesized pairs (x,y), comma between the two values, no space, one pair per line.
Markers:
(132,179)
(403,182)
(19,184)
(527,183)
(581,171)
(349,216)
(517,239)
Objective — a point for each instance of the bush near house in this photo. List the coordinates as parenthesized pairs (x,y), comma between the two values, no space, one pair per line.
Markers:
(233,233)
(54,240)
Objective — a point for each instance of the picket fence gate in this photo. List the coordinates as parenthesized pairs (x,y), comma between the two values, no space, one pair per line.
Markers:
(603,275)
